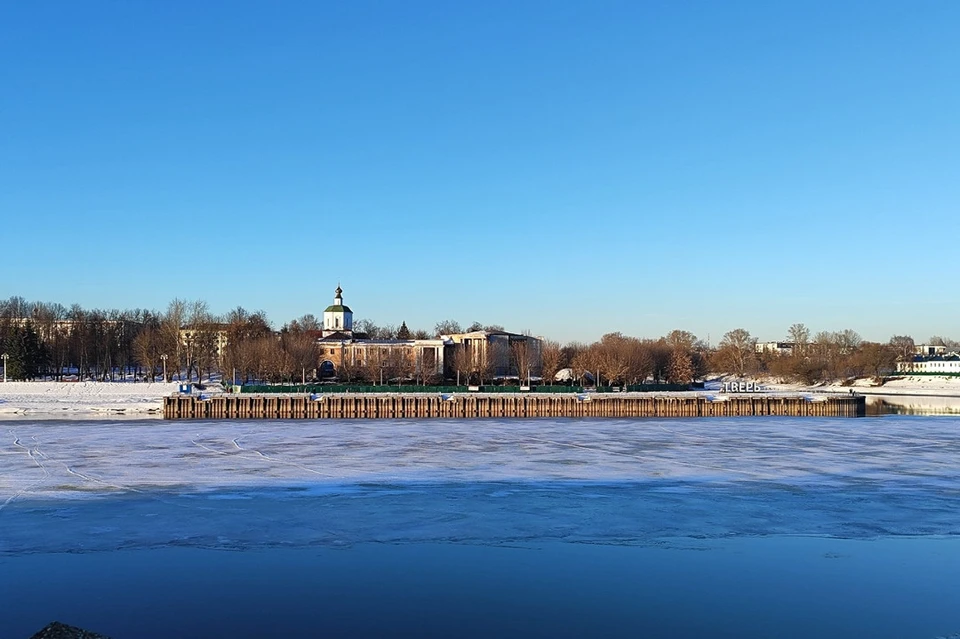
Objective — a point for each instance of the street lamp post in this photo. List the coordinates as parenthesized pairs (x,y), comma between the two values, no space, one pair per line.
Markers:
(4,357)
(163,358)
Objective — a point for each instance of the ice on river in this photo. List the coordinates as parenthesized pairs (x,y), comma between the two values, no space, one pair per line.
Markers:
(107,484)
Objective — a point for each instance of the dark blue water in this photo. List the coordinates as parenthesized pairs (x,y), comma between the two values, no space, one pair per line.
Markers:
(782,587)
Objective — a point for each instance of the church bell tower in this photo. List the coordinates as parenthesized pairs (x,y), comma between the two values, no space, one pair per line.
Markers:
(337,318)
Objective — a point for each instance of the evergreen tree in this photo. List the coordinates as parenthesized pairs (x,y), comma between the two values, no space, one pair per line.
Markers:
(27,353)
(6,346)
(404,332)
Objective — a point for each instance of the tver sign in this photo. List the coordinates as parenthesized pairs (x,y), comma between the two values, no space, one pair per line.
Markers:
(741,387)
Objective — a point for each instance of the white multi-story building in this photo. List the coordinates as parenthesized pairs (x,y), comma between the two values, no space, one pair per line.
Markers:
(947,364)
(928,350)
(778,348)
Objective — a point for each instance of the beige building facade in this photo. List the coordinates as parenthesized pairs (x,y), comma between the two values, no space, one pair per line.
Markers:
(473,357)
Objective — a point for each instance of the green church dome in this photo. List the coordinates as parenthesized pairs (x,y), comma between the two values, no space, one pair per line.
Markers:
(337,308)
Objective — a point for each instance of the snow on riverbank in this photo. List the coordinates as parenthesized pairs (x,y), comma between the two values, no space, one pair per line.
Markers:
(936,386)
(912,392)
(913,385)
(93,399)
(79,399)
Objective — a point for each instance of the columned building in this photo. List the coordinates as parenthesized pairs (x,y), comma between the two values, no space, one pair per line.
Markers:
(478,356)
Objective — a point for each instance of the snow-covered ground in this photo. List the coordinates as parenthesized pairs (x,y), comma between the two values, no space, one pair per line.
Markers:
(912,385)
(941,386)
(82,399)
(69,400)
(920,393)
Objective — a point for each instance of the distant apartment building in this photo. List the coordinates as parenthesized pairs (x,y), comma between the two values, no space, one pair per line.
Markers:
(212,336)
(777,348)
(928,350)
(49,329)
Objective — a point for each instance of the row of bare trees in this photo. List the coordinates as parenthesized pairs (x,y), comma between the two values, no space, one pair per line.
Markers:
(821,357)
(187,342)
(678,357)
(95,344)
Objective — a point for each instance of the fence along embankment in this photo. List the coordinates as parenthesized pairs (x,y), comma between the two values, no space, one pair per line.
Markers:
(420,406)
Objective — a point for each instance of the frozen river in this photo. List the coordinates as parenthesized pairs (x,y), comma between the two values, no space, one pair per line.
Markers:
(862,509)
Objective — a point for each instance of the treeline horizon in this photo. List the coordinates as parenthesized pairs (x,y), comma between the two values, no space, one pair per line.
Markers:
(106,344)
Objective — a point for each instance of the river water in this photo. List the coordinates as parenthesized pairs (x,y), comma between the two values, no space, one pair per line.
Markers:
(752,527)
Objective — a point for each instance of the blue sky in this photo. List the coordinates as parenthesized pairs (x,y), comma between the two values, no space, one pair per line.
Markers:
(565,168)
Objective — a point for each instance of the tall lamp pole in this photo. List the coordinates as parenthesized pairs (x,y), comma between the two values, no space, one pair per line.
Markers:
(163,358)
(4,357)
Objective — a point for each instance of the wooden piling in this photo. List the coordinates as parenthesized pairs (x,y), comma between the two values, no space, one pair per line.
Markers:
(420,406)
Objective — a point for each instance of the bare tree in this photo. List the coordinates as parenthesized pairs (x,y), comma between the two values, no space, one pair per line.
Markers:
(147,347)
(737,351)
(682,340)
(268,359)
(371,369)
(799,335)
(688,358)
(681,367)
(202,340)
(426,365)
(612,358)
(524,357)
(492,358)
(447,327)
(551,358)
(301,350)
(848,340)
(367,327)
(462,363)
(877,359)
(660,353)
(387,331)
(398,366)
(172,346)
(586,362)
(903,346)
(303,324)
(639,360)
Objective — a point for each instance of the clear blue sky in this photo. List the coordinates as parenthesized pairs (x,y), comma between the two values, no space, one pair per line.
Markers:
(566,168)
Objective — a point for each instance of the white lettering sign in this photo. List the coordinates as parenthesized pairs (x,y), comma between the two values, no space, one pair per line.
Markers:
(741,387)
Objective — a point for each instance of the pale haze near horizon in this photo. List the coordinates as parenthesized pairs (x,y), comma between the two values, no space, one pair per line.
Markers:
(569,169)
